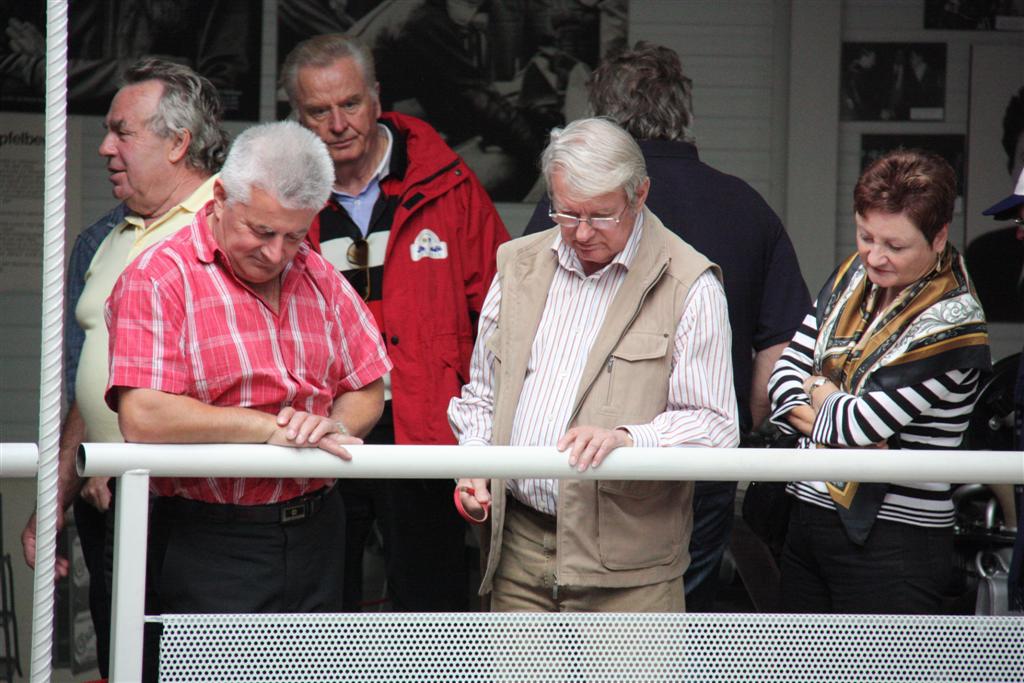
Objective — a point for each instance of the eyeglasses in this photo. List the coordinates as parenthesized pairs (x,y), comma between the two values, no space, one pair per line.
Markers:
(358,255)
(572,221)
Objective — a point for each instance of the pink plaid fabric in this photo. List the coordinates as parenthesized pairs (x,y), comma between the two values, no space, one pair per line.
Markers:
(181,322)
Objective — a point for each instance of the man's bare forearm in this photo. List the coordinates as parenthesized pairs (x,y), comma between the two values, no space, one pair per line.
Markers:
(151,416)
(72,434)
(359,410)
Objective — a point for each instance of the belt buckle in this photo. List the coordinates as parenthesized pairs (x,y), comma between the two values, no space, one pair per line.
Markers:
(295,512)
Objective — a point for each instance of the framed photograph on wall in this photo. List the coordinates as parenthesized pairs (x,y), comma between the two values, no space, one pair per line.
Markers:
(220,40)
(893,82)
(492,77)
(949,147)
(974,15)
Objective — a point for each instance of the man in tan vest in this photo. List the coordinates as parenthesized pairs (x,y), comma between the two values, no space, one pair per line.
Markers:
(604,331)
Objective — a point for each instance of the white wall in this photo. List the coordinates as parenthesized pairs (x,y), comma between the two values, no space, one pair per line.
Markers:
(736,53)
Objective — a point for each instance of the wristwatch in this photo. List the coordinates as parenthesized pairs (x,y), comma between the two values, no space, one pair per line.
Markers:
(815,384)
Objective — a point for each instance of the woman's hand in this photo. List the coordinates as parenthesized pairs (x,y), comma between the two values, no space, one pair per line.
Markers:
(818,388)
(801,418)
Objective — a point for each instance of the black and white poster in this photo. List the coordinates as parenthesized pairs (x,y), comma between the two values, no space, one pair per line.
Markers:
(949,147)
(974,15)
(493,77)
(893,82)
(218,38)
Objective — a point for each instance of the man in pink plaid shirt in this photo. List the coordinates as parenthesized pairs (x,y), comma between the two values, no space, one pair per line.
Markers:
(233,330)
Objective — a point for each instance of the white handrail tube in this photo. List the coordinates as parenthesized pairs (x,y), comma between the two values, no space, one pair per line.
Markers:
(439,462)
(129,600)
(18,460)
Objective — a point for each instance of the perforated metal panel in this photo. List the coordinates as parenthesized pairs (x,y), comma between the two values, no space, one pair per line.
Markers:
(590,647)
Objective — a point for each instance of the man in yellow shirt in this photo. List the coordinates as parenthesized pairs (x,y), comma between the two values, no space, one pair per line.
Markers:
(163,145)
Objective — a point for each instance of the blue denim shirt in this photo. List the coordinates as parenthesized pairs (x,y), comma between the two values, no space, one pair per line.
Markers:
(81,257)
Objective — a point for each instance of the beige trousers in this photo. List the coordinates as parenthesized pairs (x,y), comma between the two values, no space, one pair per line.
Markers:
(525,578)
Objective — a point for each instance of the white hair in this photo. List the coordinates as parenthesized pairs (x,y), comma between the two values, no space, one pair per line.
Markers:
(283,159)
(596,156)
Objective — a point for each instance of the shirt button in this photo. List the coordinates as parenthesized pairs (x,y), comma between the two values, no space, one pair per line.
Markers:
(394,340)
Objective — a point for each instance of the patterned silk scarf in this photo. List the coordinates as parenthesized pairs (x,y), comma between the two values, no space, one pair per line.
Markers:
(935,325)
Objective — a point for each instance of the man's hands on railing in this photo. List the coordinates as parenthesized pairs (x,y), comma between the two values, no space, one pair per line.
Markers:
(299,429)
(589,446)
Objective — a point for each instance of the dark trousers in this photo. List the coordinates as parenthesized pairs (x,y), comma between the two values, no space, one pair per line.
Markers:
(424,537)
(201,563)
(425,547)
(97,553)
(214,566)
(901,569)
(714,505)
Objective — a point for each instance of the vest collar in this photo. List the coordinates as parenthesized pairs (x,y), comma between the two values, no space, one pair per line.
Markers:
(537,263)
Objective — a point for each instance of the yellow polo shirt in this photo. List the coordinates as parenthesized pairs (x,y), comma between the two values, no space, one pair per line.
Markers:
(124,243)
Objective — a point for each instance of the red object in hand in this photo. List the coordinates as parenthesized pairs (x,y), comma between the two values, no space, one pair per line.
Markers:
(462,511)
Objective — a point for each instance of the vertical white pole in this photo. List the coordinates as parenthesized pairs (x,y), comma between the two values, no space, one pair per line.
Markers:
(129,603)
(50,348)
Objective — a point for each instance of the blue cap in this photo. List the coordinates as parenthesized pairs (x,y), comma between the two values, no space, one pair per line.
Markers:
(1009,206)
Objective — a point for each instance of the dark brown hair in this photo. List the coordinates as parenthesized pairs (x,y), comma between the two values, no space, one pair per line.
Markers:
(912,182)
(645,91)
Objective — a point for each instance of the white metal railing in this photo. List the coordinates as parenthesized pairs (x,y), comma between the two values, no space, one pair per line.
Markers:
(18,460)
(135,463)
(439,462)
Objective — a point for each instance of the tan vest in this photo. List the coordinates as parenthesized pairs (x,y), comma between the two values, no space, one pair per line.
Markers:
(610,533)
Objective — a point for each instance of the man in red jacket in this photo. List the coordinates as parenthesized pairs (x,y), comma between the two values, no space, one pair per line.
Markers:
(413,230)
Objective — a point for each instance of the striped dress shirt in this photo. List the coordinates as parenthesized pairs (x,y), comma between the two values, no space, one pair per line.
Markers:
(701,408)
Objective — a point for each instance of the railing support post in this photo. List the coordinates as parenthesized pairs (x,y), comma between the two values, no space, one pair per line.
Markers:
(129,600)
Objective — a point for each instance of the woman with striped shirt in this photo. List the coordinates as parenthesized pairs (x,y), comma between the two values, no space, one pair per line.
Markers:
(890,357)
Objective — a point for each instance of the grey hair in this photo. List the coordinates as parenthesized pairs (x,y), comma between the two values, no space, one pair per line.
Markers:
(189,102)
(597,157)
(283,159)
(324,50)
(646,92)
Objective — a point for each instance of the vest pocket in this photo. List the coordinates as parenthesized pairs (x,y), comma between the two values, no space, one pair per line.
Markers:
(639,523)
(627,360)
